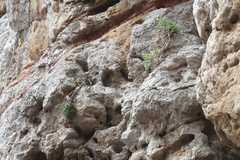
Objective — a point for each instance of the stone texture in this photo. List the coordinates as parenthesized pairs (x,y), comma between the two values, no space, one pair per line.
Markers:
(2,7)
(218,82)
(90,53)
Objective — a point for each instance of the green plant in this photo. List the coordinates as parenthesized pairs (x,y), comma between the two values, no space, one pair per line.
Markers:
(170,26)
(68,110)
(148,58)
(78,82)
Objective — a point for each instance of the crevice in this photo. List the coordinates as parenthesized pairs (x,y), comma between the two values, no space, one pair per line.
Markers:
(23,133)
(78,130)
(144,145)
(184,87)
(103,7)
(224,67)
(107,77)
(95,140)
(176,146)
(83,65)
(40,156)
(117,149)
(91,155)
(234,18)
(136,10)
(162,134)
(36,121)
(109,117)
(89,136)
(124,71)
(118,110)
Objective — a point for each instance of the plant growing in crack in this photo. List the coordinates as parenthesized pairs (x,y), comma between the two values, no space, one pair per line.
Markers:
(148,58)
(68,110)
(78,82)
(169,29)
(169,26)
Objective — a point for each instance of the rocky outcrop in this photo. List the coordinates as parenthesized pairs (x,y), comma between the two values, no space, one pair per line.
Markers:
(218,78)
(90,54)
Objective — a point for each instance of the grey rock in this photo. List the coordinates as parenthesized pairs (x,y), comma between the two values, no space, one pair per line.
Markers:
(125,110)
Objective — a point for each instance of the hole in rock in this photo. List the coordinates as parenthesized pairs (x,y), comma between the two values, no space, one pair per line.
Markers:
(89,136)
(78,130)
(91,155)
(36,121)
(135,148)
(234,18)
(236,46)
(162,134)
(209,130)
(144,145)
(96,117)
(95,140)
(124,72)
(118,109)
(189,138)
(109,119)
(213,83)
(218,29)
(109,114)
(208,29)
(40,156)
(116,116)
(85,1)
(225,67)
(104,7)
(117,149)
(83,65)
(139,21)
(23,133)
(107,78)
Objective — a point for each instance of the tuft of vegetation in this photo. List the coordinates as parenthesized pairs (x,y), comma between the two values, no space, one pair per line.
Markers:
(78,82)
(148,58)
(169,25)
(68,110)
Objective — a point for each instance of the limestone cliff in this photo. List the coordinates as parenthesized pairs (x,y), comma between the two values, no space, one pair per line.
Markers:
(218,83)
(90,54)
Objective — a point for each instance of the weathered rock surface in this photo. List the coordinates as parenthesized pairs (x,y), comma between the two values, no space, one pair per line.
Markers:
(90,53)
(218,82)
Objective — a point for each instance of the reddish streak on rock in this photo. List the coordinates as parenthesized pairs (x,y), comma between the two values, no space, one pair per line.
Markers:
(139,9)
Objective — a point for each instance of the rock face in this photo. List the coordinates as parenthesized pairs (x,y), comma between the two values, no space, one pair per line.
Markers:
(90,54)
(218,83)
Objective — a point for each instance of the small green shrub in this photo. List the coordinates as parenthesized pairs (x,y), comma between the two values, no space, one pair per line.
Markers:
(68,110)
(168,25)
(148,58)
(78,82)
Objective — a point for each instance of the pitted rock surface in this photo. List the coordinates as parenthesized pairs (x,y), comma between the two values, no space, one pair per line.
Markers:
(91,54)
